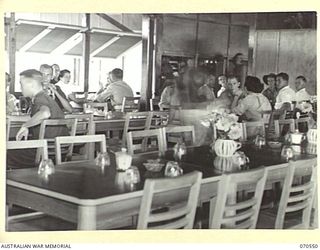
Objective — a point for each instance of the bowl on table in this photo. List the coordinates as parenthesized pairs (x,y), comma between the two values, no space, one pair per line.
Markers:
(154,165)
(275,144)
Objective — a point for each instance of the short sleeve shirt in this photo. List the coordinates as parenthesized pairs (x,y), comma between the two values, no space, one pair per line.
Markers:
(42,99)
(115,92)
(285,94)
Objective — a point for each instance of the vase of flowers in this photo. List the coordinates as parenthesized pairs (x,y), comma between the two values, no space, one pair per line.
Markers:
(226,130)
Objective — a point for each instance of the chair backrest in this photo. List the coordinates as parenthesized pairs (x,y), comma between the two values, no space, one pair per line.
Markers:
(159,119)
(130,104)
(251,129)
(95,105)
(174,134)
(41,145)
(14,120)
(135,121)
(279,125)
(298,192)
(71,124)
(303,120)
(176,216)
(90,139)
(85,124)
(174,115)
(142,141)
(154,104)
(230,213)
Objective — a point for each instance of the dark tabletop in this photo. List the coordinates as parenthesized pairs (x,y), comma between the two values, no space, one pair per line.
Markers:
(87,181)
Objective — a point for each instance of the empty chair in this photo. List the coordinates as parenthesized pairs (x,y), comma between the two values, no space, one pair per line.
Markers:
(130,104)
(143,141)
(135,121)
(159,119)
(85,124)
(45,126)
(90,139)
(174,134)
(91,106)
(303,124)
(281,125)
(178,207)
(298,195)
(40,145)
(226,211)
(252,129)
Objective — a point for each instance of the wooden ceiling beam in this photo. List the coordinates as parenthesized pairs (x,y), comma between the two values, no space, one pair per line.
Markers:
(114,22)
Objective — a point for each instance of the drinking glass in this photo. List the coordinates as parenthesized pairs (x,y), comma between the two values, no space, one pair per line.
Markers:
(173,169)
(287,152)
(46,168)
(133,175)
(102,160)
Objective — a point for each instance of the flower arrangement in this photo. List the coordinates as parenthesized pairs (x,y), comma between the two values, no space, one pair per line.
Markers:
(225,123)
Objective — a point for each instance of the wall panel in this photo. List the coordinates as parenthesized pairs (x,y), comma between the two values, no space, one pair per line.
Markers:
(266,53)
(290,51)
(212,39)
(297,55)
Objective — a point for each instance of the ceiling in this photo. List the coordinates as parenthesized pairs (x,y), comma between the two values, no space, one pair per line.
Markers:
(46,38)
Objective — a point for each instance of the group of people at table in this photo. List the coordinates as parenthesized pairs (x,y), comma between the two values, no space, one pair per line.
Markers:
(51,94)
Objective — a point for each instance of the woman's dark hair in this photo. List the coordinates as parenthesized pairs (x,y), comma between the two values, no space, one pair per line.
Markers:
(62,73)
(265,77)
(253,84)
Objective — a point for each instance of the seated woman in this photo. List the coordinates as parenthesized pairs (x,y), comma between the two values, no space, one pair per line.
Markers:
(254,104)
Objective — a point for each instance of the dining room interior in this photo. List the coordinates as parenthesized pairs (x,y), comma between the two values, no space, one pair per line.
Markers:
(128,121)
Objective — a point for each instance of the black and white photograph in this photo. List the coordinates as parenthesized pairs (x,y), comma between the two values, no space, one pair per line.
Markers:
(136,121)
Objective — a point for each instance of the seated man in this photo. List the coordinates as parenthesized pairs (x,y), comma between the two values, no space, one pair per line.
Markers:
(285,93)
(301,94)
(54,91)
(42,107)
(116,90)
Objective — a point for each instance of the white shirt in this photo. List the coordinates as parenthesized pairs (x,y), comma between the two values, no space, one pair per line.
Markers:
(286,94)
(302,95)
(66,88)
(221,91)
(252,106)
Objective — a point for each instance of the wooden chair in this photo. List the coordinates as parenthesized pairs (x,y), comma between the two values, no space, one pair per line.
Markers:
(279,125)
(64,140)
(85,124)
(226,211)
(174,115)
(71,124)
(304,120)
(95,105)
(154,104)
(143,137)
(250,126)
(130,104)
(135,121)
(175,216)
(159,119)
(41,145)
(14,121)
(173,134)
(296,195)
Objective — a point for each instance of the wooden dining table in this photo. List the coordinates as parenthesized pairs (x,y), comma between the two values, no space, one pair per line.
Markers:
(97,198)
